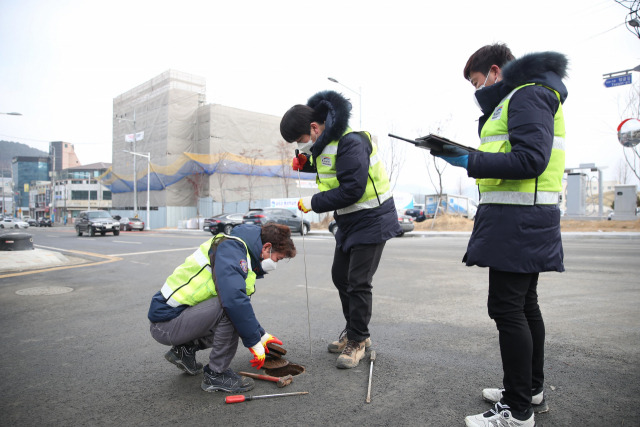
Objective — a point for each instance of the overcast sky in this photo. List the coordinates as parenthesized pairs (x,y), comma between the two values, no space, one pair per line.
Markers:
(62,63)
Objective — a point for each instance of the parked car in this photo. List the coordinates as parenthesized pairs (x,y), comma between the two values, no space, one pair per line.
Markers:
(406,222)
(418,215)
(44,222)
(10,222)
(96,221)
(31,221)
(130,224)
(222,223)
(287,217)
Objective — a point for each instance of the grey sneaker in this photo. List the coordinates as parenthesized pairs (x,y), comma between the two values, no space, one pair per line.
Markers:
(351,355)
(501,416)
(184,357)
(227,381)
(338,346)
(494,395)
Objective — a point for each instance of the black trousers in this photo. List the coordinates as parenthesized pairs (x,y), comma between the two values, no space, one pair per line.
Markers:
(513,305)
(352,273)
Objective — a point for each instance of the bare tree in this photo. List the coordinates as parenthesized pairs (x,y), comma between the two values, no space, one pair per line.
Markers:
(252,157)
(393,156)
(439,168)
(221,175)
(286,152)
(623,172)
(199,182)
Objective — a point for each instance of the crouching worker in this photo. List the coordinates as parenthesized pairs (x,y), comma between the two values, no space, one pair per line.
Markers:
(206,303)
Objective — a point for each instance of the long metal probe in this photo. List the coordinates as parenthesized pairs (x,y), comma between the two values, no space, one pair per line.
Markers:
(373,358)
(304,258)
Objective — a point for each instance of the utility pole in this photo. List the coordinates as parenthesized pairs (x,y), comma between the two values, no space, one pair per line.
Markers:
(3,206)
(135,174)
(53,177)
(148,157)
(135,171)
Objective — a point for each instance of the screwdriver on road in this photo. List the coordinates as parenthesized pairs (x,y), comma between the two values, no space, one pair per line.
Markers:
(237,398)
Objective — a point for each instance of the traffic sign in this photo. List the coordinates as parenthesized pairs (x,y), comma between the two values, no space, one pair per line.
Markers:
(618,81)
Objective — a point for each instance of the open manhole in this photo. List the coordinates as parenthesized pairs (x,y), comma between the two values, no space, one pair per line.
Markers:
(277,366)
(45,290)
(292,369)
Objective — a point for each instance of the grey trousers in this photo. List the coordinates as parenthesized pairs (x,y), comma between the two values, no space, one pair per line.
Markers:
(205,325)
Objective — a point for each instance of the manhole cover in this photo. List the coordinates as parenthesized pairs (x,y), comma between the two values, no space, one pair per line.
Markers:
(45,290)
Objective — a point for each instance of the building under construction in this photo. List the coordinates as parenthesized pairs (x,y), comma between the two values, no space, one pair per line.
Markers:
(203,158)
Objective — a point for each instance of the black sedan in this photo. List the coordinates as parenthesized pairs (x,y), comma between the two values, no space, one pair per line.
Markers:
(44,222)
(222,223)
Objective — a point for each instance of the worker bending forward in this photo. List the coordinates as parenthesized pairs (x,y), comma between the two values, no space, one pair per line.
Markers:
(354,184)
(205,303)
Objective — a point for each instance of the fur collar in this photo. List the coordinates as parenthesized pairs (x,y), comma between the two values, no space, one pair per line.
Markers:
(338,111)
(546,68)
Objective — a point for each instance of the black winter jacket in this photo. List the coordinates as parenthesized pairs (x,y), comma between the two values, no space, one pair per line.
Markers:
(520,239)
(367,226)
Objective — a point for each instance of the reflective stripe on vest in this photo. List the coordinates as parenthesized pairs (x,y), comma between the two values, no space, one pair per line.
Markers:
(558,142)
(545,188)
(378,189)
(192,282)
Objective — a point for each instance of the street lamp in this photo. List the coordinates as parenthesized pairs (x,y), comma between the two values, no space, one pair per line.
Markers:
(357,92)
(12,114)
(148,157)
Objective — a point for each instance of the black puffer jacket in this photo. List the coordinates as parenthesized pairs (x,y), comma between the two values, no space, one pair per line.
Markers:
(367,226)
(520,239)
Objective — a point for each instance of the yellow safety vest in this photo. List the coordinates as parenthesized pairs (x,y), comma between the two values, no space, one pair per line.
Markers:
(192,282)
(543,190)
(378,188)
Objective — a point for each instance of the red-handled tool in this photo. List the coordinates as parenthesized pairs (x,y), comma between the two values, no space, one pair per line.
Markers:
(237,398)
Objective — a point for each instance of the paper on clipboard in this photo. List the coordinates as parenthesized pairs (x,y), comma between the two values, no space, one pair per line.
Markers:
(435,142)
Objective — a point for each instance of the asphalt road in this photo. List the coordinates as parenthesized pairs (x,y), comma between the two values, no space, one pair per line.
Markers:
(86,357)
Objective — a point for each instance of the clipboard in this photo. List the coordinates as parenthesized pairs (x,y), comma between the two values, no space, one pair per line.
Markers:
(436,142)
(432,141)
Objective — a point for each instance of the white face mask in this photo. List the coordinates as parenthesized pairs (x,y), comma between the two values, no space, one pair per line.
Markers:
(305,147)
(268,264)
(475,98)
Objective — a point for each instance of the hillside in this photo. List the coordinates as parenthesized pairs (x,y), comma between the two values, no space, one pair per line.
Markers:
(9,150)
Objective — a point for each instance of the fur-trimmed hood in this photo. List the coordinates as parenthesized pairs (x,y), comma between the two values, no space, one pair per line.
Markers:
(335,110)
(547,68)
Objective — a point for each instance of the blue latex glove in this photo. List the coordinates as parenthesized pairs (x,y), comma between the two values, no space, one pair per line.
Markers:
(453,155)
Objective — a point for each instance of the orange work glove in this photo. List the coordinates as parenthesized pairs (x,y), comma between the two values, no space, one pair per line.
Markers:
(299,161)
(258,355)
(266,339)
(304,204)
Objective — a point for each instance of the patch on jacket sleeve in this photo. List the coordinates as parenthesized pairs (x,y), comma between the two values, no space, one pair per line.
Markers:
(244,266)
(326,161)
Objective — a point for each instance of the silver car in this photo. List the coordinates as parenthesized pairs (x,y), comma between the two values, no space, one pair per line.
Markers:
(130,224)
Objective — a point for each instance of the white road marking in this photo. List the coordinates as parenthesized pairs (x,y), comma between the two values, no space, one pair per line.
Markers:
(156,252)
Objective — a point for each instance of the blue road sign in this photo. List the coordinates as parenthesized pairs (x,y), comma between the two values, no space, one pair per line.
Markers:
(618,81)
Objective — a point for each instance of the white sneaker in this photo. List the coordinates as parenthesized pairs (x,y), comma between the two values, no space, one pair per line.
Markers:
(500,415)
(494,395)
